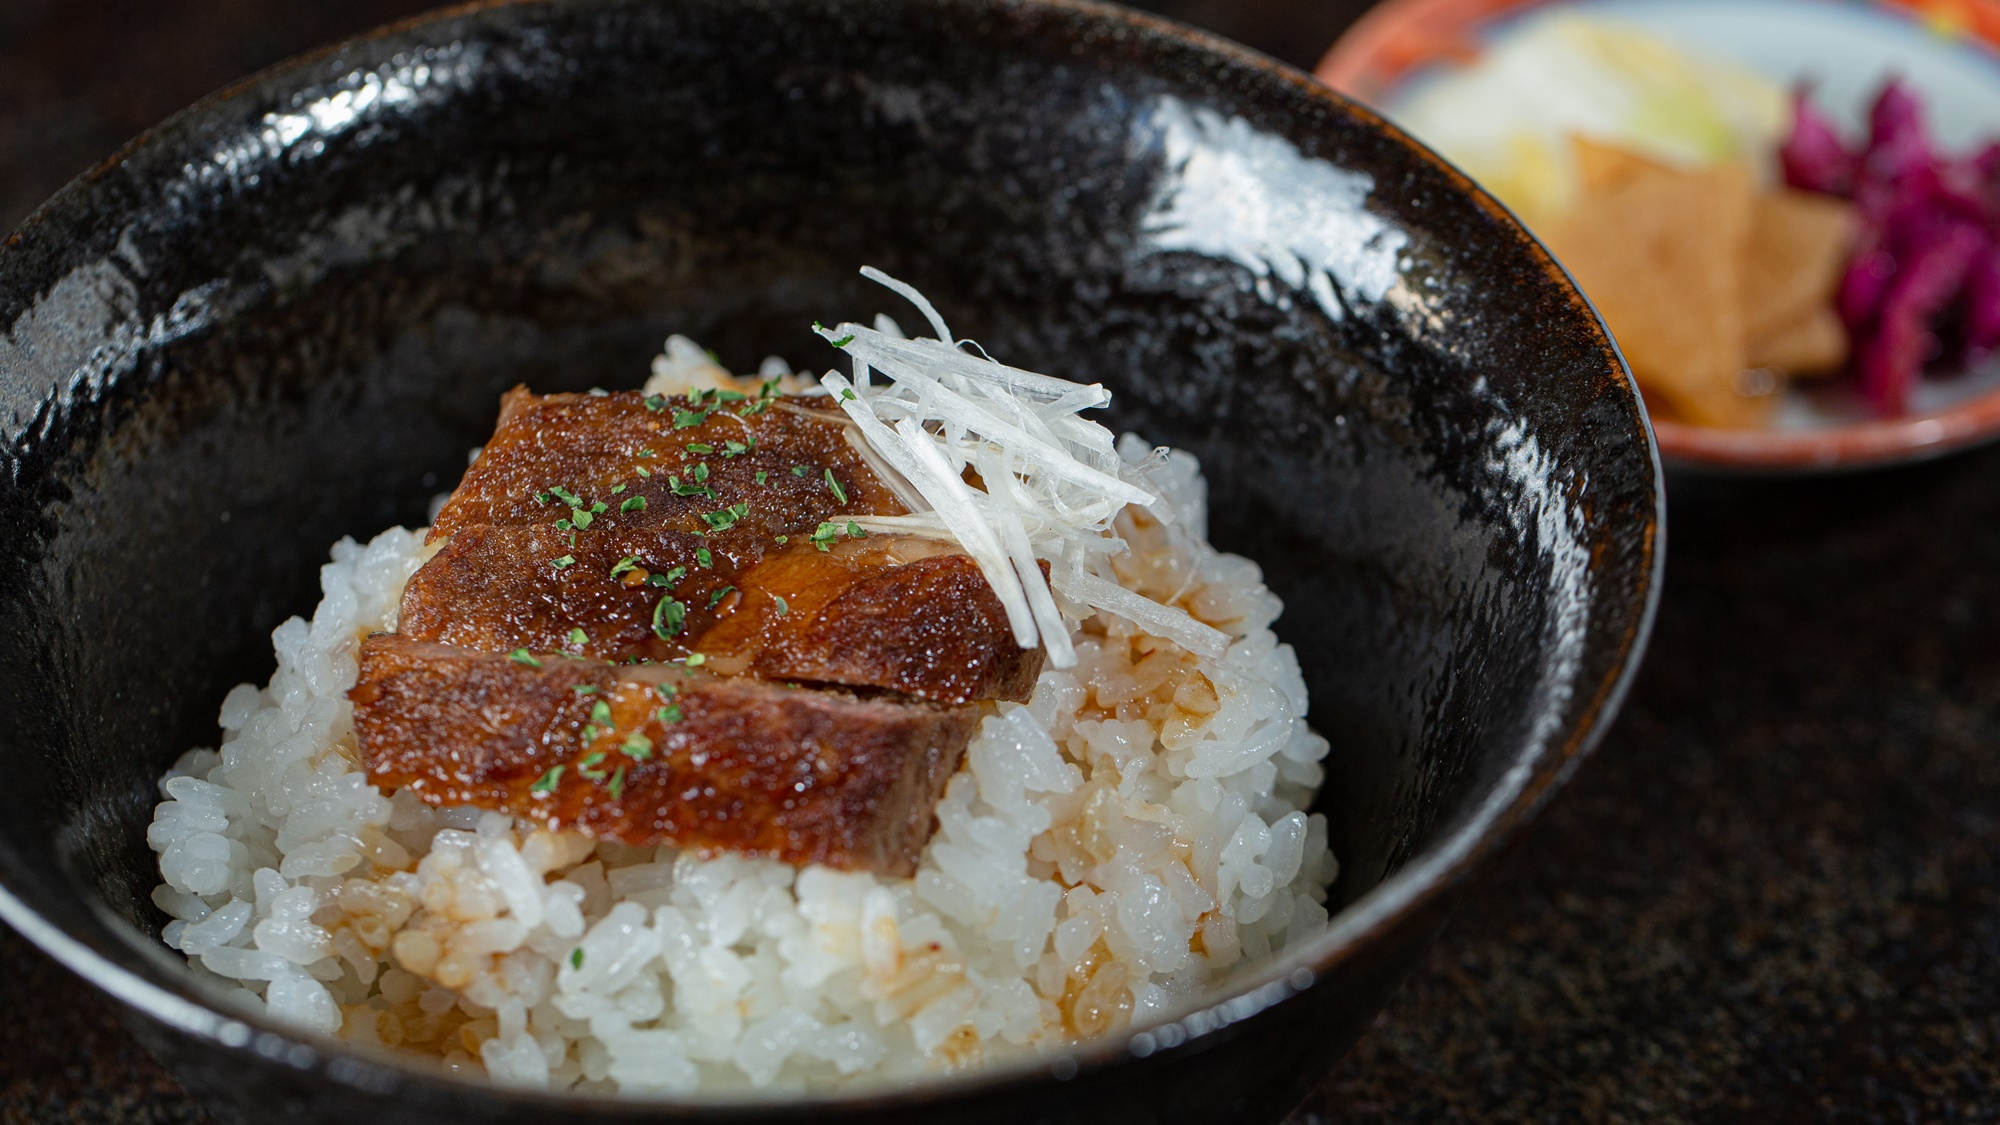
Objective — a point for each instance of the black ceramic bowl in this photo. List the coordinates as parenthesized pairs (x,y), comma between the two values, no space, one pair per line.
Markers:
(283,316)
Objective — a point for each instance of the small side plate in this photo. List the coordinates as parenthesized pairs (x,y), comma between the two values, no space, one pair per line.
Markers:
(1846,50)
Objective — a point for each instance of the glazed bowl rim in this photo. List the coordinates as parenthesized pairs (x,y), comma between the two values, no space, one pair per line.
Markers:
(1534,770)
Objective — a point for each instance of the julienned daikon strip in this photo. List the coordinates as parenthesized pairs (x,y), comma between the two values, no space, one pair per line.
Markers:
(950,500)
(1164,621)
(950,406)
(1051,483)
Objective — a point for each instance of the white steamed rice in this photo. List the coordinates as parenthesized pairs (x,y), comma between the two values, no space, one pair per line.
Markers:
(1109,851)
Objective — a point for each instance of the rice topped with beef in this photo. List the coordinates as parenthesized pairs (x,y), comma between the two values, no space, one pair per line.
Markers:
(1106,852)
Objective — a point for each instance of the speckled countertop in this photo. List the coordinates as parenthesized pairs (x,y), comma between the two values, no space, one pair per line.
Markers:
(1774,894)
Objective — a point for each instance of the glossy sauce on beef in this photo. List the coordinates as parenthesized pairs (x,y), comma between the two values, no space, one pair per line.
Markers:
(655,753)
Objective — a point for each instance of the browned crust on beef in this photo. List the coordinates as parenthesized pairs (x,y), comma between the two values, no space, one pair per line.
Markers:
(915,617)
(744,765)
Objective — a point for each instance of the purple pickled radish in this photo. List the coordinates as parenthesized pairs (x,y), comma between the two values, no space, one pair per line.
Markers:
(1982,301)
(1814,157)
(1930,276)
(1863,287)
(1897,143)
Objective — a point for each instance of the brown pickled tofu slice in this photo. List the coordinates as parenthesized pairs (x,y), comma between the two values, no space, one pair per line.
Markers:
(655,754)
(727,565)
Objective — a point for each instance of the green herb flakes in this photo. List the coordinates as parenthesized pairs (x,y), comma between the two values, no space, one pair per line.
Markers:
(632,504)
(668,617)
(600,712)
(700,447)
(715,599)
(566,496)
(656,403)
(576,958)
(763,477)
(702,558)
(523,656)
(616,786)
(844,340)
(578,637)
(643,471)
(625,565)
(564,562)
(590,766)
(580,518)
(637,747)
(784,607)
(696,660)
(799,470)
(670,714)
(833,486)
(547,783)
(688,419)
(584,689)
(616,489)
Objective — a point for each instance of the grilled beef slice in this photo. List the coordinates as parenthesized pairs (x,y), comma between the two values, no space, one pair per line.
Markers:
(648,754)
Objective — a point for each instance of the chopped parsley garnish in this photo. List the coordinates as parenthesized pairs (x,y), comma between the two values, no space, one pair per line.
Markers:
(847,395)
(722,519)
(584,689)
(736,448)
(844,340)
(696,660)
(670,578)
(523,656)
(668,617)
(637,747)
(616,489)
(701,471)
(784,606)
(688,419)
(702,558)
(700,447)
(565,561)
(715,599)
(656,403)
(589,766)
(632,504)
(616,787)
(566,496)
(824,535)
(763,477)
(576,958)
(580,518)
(783,539)
(647,453)
(562,525)
(541,497)
(628,563)
(666,692)
(589,733)
(670,714)
(675,485)
(547,784)
(600,712)
(854,531)
(642,470)
(769,389)
(578,637)
(833,485)
(597,507)
(798,470)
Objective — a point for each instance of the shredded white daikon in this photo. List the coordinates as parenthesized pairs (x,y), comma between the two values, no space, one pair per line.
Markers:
(1050,482)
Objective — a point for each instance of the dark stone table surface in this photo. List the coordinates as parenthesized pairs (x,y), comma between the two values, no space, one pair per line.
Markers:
(1772,896)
